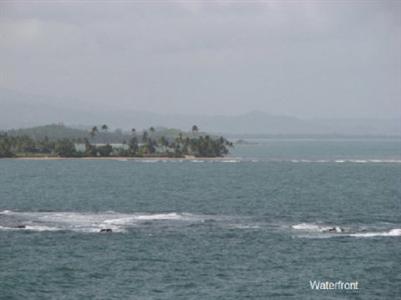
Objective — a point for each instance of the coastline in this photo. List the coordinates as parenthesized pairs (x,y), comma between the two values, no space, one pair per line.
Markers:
(120,158)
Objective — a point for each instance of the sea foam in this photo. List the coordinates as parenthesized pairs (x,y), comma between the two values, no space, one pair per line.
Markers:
(392,232)
(87,222)
(315,227)
(325,231)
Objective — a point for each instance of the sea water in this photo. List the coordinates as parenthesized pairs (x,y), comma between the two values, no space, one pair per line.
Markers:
(260,224)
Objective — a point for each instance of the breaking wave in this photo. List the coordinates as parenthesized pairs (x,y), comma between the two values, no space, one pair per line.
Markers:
(314,230)
(392,232)
(312,227)
(87,222)
(123,222)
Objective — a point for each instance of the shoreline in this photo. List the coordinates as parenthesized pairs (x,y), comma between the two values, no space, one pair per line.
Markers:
(119,158)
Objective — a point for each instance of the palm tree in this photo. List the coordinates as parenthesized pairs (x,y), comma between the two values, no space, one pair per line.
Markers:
(133,145)
(163,141)
(93,131)
(195,129)
(105,138)
(145,136)
(186,146)
(133,131)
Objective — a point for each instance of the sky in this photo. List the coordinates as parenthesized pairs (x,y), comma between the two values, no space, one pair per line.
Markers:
(310,59)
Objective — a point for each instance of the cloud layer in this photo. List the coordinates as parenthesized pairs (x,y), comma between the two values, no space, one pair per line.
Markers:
(303,58)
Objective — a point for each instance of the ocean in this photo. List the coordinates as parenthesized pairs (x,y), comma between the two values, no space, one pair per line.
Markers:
(260,224)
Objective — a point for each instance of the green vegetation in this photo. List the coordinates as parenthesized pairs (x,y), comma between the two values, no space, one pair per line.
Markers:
(68,142)
(52,132)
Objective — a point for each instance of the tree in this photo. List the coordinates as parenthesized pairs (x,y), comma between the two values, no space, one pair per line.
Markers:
(45,145)
(90,150)
(105,150)
(27,144)
(182,144)
(133,145)
(5,146)
(163,141)
(145,136)
(195,129)
(152,131)
(93,131)
(151,146)
(105,138)
(65,148)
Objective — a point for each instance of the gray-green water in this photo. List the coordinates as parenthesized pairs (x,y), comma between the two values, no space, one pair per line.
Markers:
(249,228)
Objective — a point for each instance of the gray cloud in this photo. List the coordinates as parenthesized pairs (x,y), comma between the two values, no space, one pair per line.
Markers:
(303,58)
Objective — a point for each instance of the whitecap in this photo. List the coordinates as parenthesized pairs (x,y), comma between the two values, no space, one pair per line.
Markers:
(230,161)
(120,221)
(91,222)
(41,228)
(312,227)
(395,161)
(307,226)
(392,232)
(7,228)
(358,161)
(168,216)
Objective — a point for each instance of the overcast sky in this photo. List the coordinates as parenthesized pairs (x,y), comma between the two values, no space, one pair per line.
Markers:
(300,58)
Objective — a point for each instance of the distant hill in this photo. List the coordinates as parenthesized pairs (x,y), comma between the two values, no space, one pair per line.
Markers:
(53,132)
(22,110)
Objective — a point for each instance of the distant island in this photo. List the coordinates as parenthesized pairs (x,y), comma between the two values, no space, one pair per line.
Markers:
(58,140)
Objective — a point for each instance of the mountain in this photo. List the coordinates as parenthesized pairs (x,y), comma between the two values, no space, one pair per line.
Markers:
(23,110)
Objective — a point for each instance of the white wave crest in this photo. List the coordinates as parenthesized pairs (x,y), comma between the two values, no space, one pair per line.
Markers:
(312,227)
(87,222)
(32,228)
(41,228)
(324,231)
(7,228)
(169,216)
(230,161)
(392,232)
(306,226)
